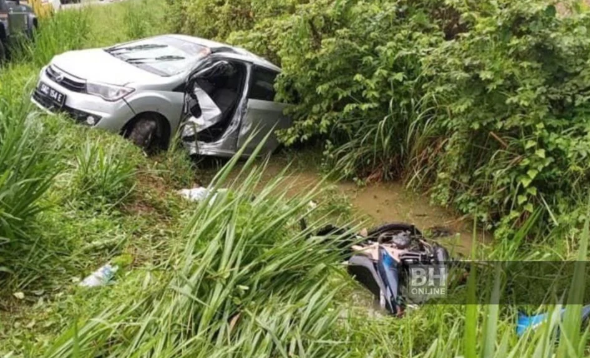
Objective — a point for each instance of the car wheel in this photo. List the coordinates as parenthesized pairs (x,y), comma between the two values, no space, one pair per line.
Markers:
(2,52)
(144,134)
(33,30)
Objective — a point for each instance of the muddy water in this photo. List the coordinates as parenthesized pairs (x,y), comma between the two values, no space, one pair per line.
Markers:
(384,203)
(393,202)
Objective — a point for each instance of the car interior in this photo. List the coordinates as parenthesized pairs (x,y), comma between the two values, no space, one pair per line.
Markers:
(224,89)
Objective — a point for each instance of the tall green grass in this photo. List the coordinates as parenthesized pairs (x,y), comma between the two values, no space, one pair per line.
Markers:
(35,148)
(69,30)
(103,174)
(26,171)
(247,283)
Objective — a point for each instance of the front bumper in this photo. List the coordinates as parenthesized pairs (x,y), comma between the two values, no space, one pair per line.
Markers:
(111,116)
(80,116)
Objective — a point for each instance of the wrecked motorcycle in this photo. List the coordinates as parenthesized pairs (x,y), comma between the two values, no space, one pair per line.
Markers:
(382,261)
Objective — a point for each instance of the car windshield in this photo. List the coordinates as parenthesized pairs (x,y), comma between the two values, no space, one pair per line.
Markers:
(162,55)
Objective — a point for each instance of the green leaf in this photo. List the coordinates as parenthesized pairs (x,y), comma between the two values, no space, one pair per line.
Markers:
(530,144)
(525,181)
(486,75)
(532,173)
(521,199)
(529,207)
(540,153)
(532,190)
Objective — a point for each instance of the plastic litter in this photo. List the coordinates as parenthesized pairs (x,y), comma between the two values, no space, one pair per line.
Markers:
(200,194)
(100,277)
(19,295)
(194,194)
(525,322)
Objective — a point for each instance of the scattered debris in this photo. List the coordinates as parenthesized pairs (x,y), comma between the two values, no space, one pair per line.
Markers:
(233,321)
(199,193)
(524,322)
(100,277)
(19,295)
(194,194)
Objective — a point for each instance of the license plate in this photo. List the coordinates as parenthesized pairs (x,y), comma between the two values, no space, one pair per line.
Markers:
(56,97)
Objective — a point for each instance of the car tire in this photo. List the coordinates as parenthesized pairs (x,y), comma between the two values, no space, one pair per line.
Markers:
(33,30)
(144,134)
(2,52)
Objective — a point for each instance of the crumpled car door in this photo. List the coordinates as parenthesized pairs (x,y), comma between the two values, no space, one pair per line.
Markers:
(201,112)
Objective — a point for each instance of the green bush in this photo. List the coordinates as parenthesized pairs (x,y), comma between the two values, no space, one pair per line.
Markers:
(513,112)
(352,70)
(25,174)
(215,19)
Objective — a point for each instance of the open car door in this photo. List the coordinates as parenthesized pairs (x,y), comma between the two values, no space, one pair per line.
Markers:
(263,115)
(212,95)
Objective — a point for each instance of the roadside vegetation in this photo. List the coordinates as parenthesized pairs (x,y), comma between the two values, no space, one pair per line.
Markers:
(488,114)
(483,103)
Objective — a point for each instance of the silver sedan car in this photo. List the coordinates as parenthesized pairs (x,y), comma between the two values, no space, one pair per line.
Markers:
(215,95)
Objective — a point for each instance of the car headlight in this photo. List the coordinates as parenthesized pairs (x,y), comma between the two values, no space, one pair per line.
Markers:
(107,92)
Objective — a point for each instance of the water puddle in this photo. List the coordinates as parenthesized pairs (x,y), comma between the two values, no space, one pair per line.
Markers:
(383,203)
(392,202)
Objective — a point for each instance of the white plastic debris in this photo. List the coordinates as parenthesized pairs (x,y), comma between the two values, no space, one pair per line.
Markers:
(100,277)
(200,194)
(19,295)
(194,194)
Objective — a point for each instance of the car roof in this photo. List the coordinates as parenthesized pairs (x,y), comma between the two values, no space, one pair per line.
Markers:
(230,51)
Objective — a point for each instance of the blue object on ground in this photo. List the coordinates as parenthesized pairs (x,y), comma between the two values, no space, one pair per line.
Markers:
(387,268)
(525,322)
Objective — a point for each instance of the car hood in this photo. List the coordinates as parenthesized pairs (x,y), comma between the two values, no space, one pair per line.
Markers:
(98,65)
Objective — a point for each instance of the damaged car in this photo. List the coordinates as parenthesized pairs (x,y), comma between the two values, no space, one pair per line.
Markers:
(215,96)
